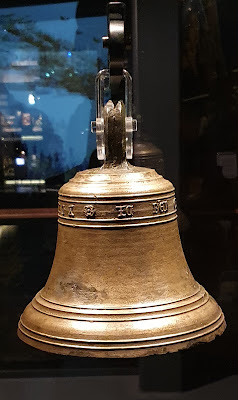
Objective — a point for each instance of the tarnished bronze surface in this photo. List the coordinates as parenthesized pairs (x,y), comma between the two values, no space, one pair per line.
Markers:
(119,285)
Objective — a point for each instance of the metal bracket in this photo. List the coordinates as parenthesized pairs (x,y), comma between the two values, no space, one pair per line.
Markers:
(115,42)
(120,82)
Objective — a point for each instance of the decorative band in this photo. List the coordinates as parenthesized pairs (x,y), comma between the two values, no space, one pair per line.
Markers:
(116,213)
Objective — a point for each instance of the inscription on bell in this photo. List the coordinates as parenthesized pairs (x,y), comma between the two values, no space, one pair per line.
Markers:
(175,204)
(89,211)
(61,209)
(71,213)
(160,207)
(125,211)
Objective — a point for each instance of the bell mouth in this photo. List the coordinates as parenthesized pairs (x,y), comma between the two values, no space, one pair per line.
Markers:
(118,333)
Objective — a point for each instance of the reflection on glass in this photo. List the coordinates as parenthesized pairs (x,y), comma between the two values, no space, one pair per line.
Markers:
(50,59)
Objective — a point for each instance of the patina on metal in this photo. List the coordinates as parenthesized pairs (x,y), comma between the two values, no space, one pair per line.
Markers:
(119,285)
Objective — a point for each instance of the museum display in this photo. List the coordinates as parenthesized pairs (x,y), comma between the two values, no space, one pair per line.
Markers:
(119,285)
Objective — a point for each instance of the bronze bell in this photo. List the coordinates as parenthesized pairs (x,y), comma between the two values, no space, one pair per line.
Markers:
(119,285)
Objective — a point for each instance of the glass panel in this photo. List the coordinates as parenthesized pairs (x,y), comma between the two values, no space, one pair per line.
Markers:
(47,72)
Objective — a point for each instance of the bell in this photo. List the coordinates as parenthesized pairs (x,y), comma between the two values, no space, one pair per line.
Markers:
(119,285)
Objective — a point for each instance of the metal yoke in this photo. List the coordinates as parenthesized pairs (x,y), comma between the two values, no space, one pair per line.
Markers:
(115,42)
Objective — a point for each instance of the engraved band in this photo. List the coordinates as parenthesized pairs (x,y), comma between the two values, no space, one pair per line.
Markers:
(114,213)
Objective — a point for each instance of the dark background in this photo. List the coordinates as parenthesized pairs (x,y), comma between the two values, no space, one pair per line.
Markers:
(186,103)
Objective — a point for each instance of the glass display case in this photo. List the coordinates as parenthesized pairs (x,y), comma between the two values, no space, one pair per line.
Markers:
(183,60)
(50,56)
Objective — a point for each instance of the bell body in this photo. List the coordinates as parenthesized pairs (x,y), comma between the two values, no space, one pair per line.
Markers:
(119,285)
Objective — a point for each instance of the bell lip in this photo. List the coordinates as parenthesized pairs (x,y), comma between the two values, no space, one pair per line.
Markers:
(126,338)
(124,353)
(133,341)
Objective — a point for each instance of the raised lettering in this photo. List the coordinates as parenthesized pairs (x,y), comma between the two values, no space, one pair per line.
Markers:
(163,206)
(89,211)
(160,207)
(125,211)
(175,204)
(71,214)
(61,209)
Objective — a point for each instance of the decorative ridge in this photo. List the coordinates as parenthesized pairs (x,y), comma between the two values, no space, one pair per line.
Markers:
(215,324)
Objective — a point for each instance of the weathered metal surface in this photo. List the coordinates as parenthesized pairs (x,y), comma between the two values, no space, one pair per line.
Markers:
(119,285)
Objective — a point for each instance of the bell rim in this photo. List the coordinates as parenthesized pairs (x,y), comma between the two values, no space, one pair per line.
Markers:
(142,351)
(126,338)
